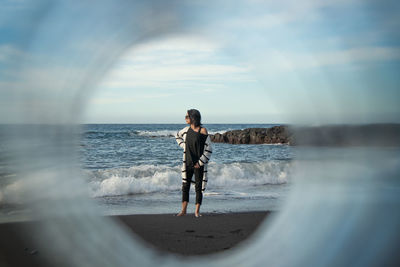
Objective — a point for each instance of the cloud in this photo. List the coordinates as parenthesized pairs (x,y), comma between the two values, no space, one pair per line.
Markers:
(280,13)
(354,56)
(126,99)
(174,61)
(289,61)
(188,43)
(8,55)
(176,49)
(138,76)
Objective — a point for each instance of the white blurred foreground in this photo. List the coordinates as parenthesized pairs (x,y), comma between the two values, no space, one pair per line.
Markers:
(343,209)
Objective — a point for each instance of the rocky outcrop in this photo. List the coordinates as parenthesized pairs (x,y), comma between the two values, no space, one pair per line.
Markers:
(347,135)
(274,135)
(328,135)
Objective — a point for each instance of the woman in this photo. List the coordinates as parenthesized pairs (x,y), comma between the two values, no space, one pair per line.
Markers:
(197,151)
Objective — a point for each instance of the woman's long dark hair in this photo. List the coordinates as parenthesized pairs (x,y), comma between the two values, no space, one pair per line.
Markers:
(195,117)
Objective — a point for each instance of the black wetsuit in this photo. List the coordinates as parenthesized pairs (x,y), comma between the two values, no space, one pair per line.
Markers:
(194,149)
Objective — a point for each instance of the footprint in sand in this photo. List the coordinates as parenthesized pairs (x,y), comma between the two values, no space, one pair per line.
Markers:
(235,231)
(205,236)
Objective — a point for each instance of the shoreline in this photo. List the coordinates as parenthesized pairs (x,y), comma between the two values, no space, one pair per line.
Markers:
(164,233)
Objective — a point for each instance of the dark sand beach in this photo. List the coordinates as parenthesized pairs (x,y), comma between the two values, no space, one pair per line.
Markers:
(187,235)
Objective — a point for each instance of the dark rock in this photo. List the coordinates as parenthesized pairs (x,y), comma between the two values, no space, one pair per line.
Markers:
(274,135)
(326,135)
(383,134)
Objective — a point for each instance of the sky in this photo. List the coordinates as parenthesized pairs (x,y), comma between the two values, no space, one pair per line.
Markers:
(250,62)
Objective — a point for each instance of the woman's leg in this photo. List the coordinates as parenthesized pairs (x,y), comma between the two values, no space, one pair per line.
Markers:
(197,211)
(199,194)
(185,191)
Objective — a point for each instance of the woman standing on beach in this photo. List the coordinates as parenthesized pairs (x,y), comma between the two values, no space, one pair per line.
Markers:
(196,144)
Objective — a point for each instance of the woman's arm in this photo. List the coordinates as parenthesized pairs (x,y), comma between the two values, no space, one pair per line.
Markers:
(205,157)
(179,137)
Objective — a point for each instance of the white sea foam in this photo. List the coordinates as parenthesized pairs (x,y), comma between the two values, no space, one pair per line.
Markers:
(220,132)
(142,179)
(159,133)
(134,180)
(169,133)
(13,193)
(153,178)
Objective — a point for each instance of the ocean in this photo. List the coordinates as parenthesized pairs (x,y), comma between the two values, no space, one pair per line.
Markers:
(135,169)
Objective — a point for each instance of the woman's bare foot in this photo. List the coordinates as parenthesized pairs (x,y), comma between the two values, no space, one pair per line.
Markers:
(182,213)
(184,208)
(197,215)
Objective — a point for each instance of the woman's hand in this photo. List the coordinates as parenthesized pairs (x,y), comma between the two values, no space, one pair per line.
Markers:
(197,165)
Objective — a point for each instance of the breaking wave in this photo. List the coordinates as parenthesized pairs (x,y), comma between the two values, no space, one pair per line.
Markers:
(158,178)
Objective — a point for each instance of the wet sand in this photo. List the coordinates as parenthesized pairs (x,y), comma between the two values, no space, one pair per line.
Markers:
(166,233)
